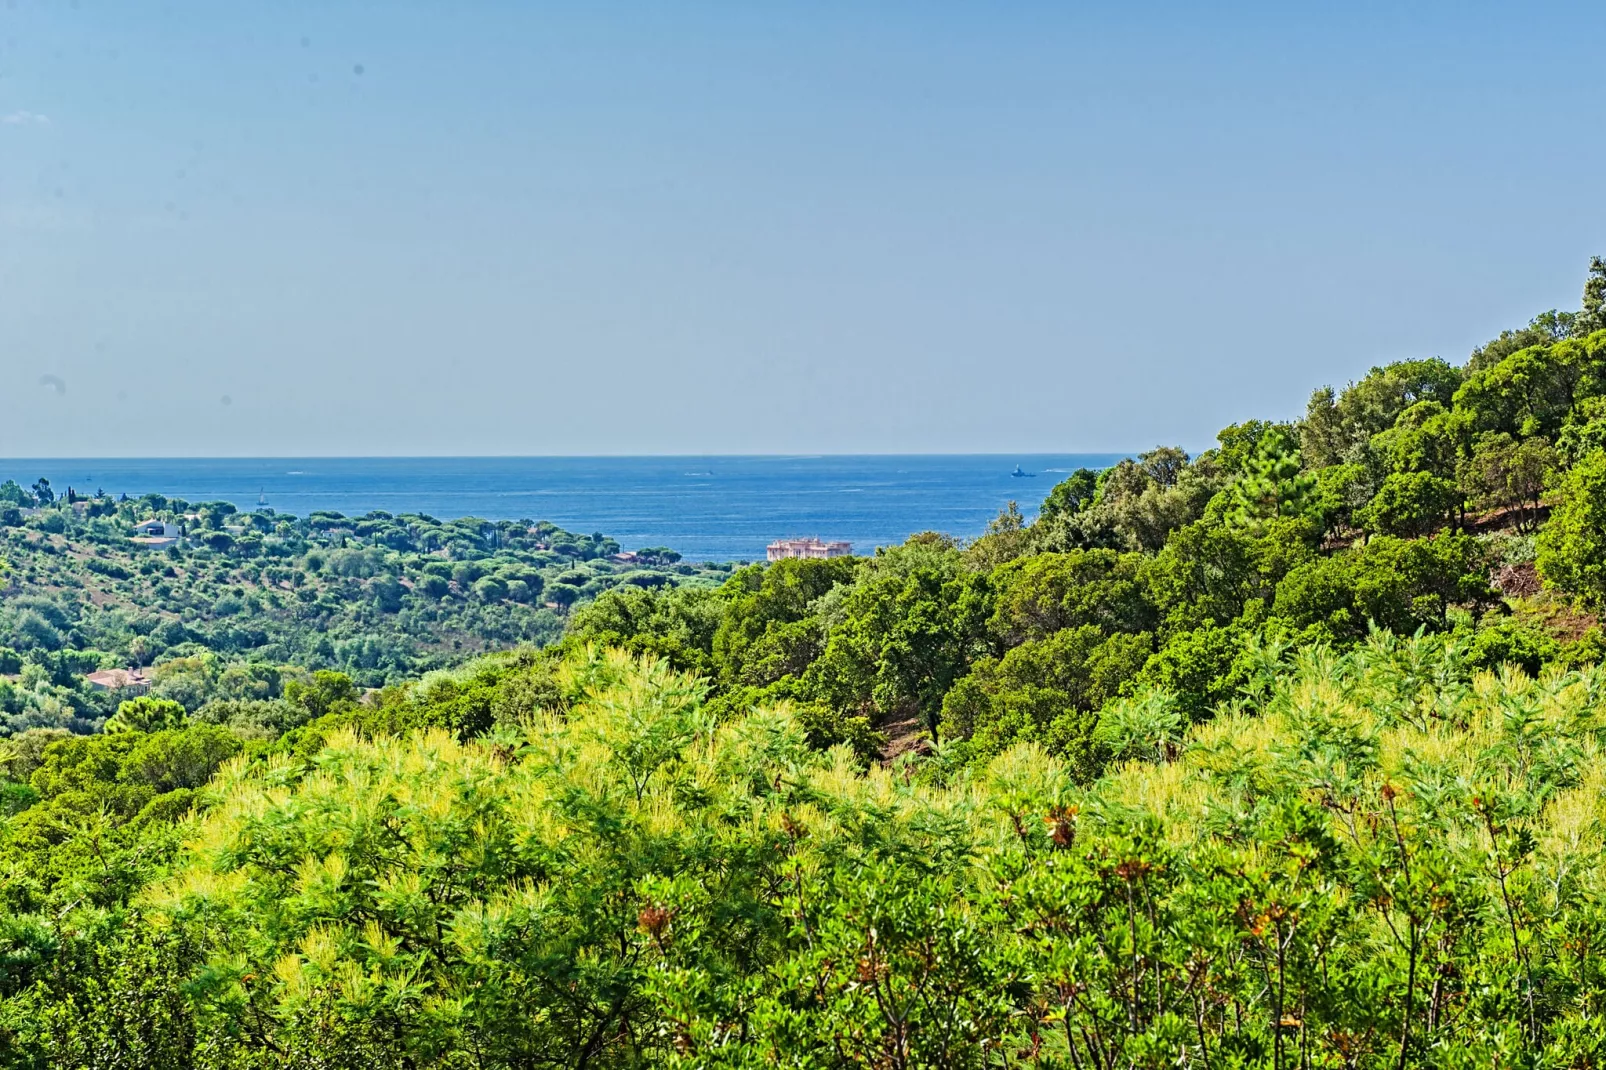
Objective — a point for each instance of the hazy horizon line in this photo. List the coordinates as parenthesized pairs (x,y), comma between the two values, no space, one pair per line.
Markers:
(119,459)
(799,455)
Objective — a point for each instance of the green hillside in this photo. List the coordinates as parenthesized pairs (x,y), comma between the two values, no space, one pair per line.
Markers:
(1426,497)
(241,603)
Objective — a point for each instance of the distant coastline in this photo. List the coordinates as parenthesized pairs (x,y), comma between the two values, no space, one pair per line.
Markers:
(714,508)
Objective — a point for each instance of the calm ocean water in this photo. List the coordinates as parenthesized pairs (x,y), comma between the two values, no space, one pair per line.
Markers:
(708,508)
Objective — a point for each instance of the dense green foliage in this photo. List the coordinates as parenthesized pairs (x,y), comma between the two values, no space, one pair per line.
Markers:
(1385,858)
(1292,754)
(244,603)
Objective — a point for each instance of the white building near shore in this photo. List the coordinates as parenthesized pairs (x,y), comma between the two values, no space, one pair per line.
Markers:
(811,549)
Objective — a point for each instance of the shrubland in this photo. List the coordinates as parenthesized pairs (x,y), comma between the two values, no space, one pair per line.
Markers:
(1383,857)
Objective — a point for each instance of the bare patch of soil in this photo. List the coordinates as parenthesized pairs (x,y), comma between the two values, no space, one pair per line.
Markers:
(905,734)
(1516,581)
(1507,518)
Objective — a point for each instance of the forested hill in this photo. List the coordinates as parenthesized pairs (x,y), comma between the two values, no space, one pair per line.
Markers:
(214,604)
(1426,497)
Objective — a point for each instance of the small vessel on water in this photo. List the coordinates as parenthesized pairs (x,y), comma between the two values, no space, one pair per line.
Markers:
(262,497)
(1020,473)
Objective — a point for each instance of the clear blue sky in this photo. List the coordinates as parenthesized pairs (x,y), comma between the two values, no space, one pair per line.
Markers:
(853,227)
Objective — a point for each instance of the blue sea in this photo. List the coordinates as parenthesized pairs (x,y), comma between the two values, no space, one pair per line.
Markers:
(709,508)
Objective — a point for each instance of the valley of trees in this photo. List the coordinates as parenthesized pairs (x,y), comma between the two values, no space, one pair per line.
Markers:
(245,605)
(1287,755)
